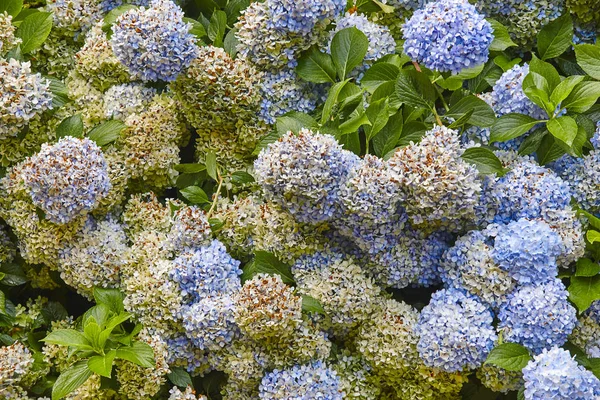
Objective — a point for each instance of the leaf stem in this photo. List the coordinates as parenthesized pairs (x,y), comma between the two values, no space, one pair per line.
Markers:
(216,195)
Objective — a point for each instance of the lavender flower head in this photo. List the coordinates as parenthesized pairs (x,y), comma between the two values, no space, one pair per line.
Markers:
(68,179)
(448,35)
(301,382)
(154,43)
(304,173)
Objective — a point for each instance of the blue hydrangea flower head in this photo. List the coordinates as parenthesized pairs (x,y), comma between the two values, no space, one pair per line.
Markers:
(369,199)
(526,191)
(68,179)
(527,250)
(206,271)
(23,95)
(315,381)
(304,173)
(282,91)
(301,16)
(209,323)
(554,374)
(455,331)
(469,265)
(438,188)
(538,317)
(448,35)
(190,229)
(154,42)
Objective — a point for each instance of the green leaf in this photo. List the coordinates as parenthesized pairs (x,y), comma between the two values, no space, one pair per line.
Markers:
(230,43)
(588,58)
(332,99)
(195,195)
(234,8)
(556,37)
(593,236)
(12,7)
(506,63)
(112,298)
(532,142)
(294,121)
(216,29)
(315,66)
(53,311)
(564,89)
(583,97)
(521,394)
(106,132)
(60,94)
(211,165)
(196,29)
(546,70)
(348,49)
(378,114)
(180,377)
(99,313)
(592,219)
(102,365)
(563,128)
(583,291)
(510,126)
(68,337)
(484,159)
(502,39)
(111,17)
(241,178)
(414,89)
(455,82)
(509,356)
(266,140)
(92,333)
(483,115)
(13,274)
(34,30)
(537,89)
(265,262)
(549,150)
(379,74)
(356,119)
(586,267)
(312,305)
(71,126)
(387,138)
(139,353)
(71,379)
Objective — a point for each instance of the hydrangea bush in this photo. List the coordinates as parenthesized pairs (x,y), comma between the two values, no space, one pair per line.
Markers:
(299,199)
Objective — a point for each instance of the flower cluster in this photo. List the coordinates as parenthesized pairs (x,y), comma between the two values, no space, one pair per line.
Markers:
(154,42)
(448,35)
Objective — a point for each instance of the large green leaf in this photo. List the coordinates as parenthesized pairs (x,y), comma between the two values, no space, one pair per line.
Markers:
(332,99)
(484,159)
(564,89)
(68,337)
(113,298)
(267,263)
(139,353)
(564,129)
(195,195)
(379,74)
(510,126)
(34,30)
(348,49)
(556,37)
(502,39)
(70,379)
(12,7)
(584,290)
(583,97)
(415,89)
(70,126)
(509,356)
(106,132)
(482,114)
(102,364)
(216,28)
(588,58)
(315,66)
